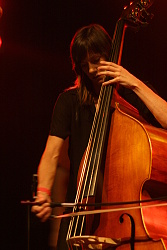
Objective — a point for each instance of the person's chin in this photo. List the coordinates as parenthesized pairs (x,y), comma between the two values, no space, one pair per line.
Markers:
(98,80)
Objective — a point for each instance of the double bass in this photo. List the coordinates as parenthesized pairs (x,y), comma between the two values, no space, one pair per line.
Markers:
(125,160)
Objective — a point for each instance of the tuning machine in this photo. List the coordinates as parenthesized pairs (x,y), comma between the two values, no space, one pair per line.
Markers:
(137,12)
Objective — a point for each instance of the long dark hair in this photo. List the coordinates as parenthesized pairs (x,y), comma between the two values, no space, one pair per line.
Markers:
(89,39)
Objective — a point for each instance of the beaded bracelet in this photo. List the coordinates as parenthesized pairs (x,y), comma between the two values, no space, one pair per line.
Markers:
(43,189)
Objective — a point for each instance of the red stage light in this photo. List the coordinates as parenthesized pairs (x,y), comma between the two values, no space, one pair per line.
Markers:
(0,42)
(1,11)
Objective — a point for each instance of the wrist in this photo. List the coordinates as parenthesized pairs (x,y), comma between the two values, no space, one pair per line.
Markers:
(137,86)
(44,190)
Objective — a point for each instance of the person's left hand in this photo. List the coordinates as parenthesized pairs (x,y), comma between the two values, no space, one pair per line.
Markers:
(117,75)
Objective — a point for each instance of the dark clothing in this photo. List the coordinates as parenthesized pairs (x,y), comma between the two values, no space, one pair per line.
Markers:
(71,119)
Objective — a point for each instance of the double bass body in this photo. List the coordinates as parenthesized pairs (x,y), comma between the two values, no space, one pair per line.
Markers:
(135,161)
(135,157)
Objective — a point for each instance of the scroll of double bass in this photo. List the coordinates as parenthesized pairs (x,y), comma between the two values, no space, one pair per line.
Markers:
(116,164)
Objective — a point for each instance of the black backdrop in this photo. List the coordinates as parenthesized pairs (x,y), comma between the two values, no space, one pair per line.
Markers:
(35,67)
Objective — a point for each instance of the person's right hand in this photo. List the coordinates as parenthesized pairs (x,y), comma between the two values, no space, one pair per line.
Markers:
(42,211)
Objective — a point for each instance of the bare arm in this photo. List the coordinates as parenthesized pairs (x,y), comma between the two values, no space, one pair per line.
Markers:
(46,174)
(49,161)
(154,103)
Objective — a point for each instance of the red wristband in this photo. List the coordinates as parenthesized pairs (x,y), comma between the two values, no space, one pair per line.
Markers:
(45,190)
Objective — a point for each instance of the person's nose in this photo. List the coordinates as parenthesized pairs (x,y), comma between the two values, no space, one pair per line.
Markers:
(92,67)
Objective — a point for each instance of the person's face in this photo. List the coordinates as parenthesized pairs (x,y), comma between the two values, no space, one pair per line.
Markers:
(89,67)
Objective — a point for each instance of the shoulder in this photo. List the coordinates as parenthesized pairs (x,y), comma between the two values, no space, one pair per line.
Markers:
(66,100)
(68,96)
(71,92)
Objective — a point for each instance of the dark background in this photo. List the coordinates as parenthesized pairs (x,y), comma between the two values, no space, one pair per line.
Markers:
(35,67)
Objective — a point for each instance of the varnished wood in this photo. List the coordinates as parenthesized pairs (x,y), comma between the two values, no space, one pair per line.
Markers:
(128,173)
(129,164)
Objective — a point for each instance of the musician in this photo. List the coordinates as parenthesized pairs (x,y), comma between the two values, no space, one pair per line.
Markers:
(74,111)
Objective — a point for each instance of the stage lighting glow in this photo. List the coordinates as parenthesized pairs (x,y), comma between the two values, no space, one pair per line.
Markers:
(0,42)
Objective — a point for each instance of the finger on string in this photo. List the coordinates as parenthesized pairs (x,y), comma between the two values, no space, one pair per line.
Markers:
(114,65)
(108,68)
(110,82)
